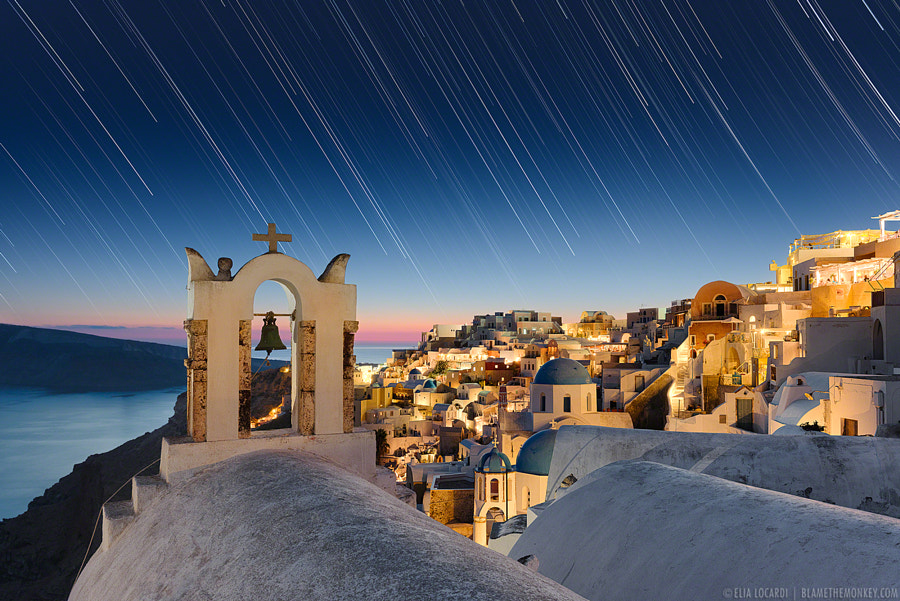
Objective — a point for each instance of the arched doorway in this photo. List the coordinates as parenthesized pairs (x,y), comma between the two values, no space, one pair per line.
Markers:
(719,304)
(878,341)
(494,515)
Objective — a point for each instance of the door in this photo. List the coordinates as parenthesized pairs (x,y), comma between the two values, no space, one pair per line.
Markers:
(745,413)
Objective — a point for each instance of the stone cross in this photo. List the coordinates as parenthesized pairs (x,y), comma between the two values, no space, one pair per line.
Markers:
(272,238)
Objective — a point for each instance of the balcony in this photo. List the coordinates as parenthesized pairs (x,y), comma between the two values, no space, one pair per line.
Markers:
(736,379)
(711,317)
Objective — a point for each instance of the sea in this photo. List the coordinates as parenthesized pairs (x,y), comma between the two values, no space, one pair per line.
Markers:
(376,352)
(43,435)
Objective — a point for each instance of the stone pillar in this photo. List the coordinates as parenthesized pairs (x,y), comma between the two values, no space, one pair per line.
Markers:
(245,374)
(479,530)
(350,329)
(306,395)
(196,377)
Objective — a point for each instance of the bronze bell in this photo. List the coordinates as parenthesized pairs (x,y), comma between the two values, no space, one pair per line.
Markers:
(269,340)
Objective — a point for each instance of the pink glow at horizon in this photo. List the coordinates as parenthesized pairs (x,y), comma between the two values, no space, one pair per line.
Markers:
(399,336)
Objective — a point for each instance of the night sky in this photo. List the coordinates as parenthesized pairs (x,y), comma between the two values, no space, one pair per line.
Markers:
(470,156)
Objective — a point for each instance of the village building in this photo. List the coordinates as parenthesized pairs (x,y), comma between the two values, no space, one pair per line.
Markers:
(593,325)
(563,392)
(621,382)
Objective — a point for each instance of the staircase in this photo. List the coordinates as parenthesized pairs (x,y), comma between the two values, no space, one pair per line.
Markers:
(117,515)
(874,282)
(682,358)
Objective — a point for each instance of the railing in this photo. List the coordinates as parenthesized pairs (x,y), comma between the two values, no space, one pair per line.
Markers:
(734,379)
(881,272)
(715,317)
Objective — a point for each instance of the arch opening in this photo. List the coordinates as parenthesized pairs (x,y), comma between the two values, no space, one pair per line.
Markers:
(878,341)
(271,375)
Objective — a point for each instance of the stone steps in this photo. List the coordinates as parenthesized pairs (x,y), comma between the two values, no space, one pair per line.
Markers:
(117,515)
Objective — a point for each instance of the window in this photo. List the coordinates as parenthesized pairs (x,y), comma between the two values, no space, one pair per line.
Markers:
(723,419)
(849,427)
(543,402)
(495,489)
(526,496)
(587,402)
(707,309)
(638,383)
(567,404)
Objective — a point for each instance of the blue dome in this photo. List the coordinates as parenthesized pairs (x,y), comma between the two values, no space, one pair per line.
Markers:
(415,372)
(564,372)
(535,455)
(429,384)
(494,462)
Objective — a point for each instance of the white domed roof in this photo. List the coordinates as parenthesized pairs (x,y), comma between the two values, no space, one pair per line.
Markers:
(275,525)
(562,372)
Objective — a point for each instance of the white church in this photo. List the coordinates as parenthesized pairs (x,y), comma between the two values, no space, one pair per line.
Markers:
(563,393)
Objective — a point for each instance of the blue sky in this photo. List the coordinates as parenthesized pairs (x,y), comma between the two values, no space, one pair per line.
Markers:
(471,157)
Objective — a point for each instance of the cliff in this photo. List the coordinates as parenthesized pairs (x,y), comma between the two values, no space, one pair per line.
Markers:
(63,361)
(66,362)
(42,549)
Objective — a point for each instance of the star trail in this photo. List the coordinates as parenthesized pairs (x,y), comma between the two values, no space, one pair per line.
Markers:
(470,156)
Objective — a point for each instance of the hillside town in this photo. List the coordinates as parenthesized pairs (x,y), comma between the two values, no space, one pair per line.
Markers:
(745,437)
(468,418)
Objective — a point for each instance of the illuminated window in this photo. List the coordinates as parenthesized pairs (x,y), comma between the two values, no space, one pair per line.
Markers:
(587,404)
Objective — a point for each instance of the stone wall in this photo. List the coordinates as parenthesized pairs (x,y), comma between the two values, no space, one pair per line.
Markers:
(448,506)
(306,395)
(196,377)
(350,329)
(244,378)
(710,392)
